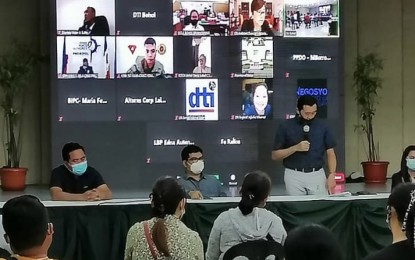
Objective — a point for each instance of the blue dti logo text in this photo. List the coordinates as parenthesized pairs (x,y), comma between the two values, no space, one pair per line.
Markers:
(201,97)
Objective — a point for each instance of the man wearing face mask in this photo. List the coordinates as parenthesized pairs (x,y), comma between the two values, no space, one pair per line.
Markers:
(194,22)
(301,144)
(75,180)
(197,184)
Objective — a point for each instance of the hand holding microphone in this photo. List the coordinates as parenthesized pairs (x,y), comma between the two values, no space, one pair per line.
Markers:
(304,145)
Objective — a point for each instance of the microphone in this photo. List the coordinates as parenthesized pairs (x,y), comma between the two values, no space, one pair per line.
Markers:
(306,131)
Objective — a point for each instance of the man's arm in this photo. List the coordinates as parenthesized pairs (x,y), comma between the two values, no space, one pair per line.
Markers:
(331,165)
(58,194)
(104,192)
(331,160)
(281,154)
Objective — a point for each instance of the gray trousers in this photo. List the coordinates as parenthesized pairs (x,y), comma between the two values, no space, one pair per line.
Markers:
(305,183)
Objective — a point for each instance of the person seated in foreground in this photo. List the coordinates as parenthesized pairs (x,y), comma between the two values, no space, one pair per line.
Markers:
(197,184)
(164,236)
(312,242)
(407,171)
(247,222)
(400,219)
(75,180)
(27,227)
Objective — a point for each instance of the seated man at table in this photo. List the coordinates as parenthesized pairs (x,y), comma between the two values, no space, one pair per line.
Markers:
(27,227)
(75,180)
(197,184)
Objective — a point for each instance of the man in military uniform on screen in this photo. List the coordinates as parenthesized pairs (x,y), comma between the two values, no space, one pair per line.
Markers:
(148,64)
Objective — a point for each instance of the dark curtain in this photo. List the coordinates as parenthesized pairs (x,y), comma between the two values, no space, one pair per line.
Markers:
(99,232)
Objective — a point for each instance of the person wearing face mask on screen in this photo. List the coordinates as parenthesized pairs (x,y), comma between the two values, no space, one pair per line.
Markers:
(74,180)
(197,184)
(194,22)
(301,144)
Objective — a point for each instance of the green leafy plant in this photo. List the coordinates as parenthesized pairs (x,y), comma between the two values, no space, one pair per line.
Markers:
(366,85)
(16,66)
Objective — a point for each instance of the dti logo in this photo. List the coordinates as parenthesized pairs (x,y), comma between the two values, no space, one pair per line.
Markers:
(202,100)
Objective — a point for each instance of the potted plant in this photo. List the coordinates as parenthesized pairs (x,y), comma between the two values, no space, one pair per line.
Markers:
(366,85)
(16,65)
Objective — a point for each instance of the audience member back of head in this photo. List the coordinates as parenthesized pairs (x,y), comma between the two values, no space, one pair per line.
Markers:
(312,242)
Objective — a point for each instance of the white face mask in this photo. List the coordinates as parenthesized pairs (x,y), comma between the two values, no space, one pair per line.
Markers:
(197,167)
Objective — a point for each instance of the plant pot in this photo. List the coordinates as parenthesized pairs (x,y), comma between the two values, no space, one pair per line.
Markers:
(13,179)
(375,172)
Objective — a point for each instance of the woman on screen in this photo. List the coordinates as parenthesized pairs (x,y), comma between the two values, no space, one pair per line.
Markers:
(407,172)
(164,236)
(257,23)
(247,222)
(258,105)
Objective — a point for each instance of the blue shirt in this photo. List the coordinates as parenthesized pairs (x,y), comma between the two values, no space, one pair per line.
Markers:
(290,133)
(208,185)
(250,110)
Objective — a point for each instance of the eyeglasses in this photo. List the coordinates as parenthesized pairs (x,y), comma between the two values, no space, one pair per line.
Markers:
(195,159)
(152,51)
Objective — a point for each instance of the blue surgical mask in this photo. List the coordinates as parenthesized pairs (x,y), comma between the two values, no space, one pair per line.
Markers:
(79,168)
(410,163)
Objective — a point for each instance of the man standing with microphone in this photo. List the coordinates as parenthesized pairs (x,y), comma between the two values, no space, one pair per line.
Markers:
(301,144)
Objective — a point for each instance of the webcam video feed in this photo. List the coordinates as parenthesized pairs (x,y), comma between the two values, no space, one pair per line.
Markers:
(257,17)
(195,57)
(257,98)
(257,57)
(85,17)
(201,18)
(85,57)
(144,57)
(311,18)
(143,17)
(250,99)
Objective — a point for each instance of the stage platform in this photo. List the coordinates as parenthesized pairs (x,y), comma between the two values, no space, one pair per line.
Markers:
(97,230)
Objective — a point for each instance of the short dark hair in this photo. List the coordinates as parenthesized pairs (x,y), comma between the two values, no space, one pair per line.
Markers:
(85,59)
(194,10)
(401,200)
(25,222)
(256,187)
(256,5)
(312,242)
(150,41)
(93,9)
(69,147)
(165,197)
(306,100)
(190,149)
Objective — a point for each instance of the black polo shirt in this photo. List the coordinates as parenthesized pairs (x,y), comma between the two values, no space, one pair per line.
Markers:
(61,177)
(290,132)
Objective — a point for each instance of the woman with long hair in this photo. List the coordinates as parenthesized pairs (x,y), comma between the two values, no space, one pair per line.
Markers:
(164,236)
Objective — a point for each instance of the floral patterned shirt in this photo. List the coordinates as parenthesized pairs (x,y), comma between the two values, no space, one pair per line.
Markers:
(183,243)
